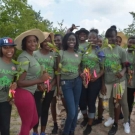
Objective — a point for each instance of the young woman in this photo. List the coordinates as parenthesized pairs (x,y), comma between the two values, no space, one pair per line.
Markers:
(71,82)
(28,80)
(7,50)
(115,81)
(131,74)
(46,59)
(82,36)
(100,106)
(89,95)
(58,41)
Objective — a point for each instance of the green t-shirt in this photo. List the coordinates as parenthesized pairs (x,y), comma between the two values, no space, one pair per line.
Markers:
(113,59)
(131,60)
(70,64)
(47,61)
(91,61)
(33,69)
(83,47)
(6,78)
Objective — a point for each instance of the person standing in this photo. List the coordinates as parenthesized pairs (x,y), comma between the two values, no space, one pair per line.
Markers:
(7,67)
(29,79)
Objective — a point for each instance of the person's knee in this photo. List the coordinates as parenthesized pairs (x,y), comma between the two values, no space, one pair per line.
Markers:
(71,114)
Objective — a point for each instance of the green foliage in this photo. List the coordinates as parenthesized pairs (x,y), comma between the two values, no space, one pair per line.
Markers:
(16,16)
(131,28)
(61,29)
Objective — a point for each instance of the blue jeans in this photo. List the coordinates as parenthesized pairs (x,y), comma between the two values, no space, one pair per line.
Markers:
(5,114)
(71,91)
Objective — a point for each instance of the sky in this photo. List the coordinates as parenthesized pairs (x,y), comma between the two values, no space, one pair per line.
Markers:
(99,14)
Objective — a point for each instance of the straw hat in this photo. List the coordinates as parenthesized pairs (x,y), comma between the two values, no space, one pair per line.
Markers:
(36,32)
(124,38)
(46,34)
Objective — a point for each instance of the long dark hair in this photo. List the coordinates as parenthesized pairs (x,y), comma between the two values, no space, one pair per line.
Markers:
(65,39)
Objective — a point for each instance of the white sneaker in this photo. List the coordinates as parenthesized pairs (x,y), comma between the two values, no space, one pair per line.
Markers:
(109,122)
(80,116)
(126,128)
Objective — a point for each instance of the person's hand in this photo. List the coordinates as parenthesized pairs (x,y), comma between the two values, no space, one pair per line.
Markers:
(130,72)
(74,27)
(93,78)
(119,75)
(82,75)
(13,86)
(42,87)
(45,77)
(103,90)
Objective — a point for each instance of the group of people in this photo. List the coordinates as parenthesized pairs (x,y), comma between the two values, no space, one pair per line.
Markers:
(80,67)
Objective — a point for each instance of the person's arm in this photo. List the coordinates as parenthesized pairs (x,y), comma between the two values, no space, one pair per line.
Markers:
(26,83)
(58,71)
(103,88)
(71,28)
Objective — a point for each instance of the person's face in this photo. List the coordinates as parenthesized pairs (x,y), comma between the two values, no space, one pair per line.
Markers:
(8,51)
(131,42)
(92,38)
(71,42)
(112,38)
(118,41)
(99,42)
(31,43)
(58,41)
(82,36)
(45,45)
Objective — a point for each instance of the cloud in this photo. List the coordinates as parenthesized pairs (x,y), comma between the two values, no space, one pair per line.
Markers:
(41,3)
(102,24)
(48,15)
(108,7)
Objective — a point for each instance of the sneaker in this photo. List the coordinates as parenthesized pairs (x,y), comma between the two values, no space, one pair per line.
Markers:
(87,131)
(43,133)
(80,116)
(55,129)
(113,130)
(35,133)
(109,122)
(84,122)
(97,121)
(126,128)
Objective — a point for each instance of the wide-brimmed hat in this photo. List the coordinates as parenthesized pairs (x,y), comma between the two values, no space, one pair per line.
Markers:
(7,41)
(82,30)
(47,34)
(36,32)
(123,37)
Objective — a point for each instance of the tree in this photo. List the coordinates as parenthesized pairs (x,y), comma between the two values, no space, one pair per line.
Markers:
(16,16)
(60,30)
(131,28)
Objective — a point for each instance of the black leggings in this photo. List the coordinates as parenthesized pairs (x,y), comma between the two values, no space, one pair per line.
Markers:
(43,107)
(89,96)
(130,98)
(5,114)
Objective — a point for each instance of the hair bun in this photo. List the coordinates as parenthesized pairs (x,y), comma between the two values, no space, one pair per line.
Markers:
(113,27)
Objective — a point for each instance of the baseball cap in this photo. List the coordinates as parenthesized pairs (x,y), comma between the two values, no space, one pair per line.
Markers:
(7,41)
